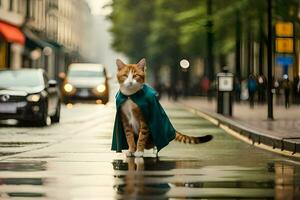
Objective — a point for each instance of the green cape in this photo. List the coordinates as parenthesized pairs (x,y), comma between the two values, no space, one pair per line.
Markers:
(161,129)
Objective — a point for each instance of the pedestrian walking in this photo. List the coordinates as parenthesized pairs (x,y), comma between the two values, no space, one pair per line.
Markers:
(286,85)
(205,85)
(237,89)
(296,90)
(252,86)
(276,85)
(261,88)
(244,90)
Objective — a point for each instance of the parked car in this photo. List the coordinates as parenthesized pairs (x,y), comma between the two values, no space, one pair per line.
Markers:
(86,81)
(28,95)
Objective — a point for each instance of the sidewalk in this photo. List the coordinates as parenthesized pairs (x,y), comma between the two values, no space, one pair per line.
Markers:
(283,133)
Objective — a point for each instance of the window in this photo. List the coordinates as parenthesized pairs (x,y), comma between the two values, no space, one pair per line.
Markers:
(85,74)
(11,5)
(20,6)
(20,78)
(32,9)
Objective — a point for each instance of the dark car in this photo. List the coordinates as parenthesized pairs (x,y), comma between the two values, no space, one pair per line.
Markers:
(86,81)
(28,95)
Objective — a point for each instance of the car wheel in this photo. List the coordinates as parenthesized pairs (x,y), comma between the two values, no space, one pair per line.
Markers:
(43,120)
(23,123)
(55,118)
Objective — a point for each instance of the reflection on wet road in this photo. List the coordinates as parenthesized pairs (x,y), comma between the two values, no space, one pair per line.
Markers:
(187,179)
(73,161)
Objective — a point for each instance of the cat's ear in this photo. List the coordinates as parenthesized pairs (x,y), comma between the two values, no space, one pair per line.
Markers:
(120,64)
(142,64)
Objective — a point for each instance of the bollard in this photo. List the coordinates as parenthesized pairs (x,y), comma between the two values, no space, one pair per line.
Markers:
(224,92)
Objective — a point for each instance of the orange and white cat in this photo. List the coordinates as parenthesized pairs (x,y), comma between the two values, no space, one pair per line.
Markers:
(131,78)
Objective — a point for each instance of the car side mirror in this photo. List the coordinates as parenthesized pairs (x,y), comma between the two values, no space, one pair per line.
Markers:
(52,83)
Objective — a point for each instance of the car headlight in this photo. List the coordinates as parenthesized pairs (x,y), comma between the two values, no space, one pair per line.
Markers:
(101,88)
(34,98)
(68,87)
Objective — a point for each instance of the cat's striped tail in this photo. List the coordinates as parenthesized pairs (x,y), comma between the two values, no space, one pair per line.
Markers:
(192,140)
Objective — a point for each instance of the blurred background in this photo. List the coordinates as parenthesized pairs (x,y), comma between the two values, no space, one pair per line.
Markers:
(210,35)
(202,55)
(52,34)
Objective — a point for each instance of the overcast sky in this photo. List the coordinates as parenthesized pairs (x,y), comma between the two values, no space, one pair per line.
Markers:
(97,7)
(98,46)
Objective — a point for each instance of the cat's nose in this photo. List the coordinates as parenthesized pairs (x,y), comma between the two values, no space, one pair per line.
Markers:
(130,83)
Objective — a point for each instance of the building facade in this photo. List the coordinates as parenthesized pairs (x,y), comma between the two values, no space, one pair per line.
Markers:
(12,41)
(51,30)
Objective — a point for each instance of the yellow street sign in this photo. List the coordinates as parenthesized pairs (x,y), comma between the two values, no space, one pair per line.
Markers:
(284,29)
(284,45)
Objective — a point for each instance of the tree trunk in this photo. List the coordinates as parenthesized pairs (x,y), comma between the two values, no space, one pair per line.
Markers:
(249,49)
(261,46)
(238,47)
(209,65)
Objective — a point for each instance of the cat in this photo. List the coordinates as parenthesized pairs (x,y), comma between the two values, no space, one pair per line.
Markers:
(131,78)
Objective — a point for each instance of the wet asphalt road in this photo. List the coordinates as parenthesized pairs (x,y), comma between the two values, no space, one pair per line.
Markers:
(72,160)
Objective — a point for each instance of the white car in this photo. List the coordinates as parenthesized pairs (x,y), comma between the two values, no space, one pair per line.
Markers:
(86,81)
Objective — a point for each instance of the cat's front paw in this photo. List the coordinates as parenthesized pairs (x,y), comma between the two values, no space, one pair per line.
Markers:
(130,154)
(139,154)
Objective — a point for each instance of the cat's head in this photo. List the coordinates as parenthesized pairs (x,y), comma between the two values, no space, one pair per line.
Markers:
(131,77)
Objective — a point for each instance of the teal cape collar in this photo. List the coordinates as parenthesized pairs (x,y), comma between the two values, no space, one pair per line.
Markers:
(161,129)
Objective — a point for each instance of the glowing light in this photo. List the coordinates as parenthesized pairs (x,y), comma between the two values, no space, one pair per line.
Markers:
(101,88)
(68,87)
(34,97)
(98,101)
(184,64)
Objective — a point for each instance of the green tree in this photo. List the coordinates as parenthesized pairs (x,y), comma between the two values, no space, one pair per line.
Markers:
(163,47)
(165,31)
(131,27)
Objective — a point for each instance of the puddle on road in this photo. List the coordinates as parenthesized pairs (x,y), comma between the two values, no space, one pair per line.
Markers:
(10,187)
(223,169)
(18,144)
(7,182)
(151,178)
(159,178)
(21,181)
(6,153)
(22,166)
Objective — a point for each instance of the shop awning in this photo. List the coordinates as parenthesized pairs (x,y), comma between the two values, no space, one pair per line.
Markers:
(11,33)
(33,41)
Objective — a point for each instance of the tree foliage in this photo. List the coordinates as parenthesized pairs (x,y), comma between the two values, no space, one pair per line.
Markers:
(165,31)
(131,26)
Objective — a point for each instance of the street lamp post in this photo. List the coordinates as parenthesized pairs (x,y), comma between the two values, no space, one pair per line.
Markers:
(185,64)
(270,74)
(209,68)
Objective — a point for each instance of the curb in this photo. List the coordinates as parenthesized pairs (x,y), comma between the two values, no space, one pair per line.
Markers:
(274,144)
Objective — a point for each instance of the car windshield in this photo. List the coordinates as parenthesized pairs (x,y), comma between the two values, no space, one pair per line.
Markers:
(85,74)
(21,78)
